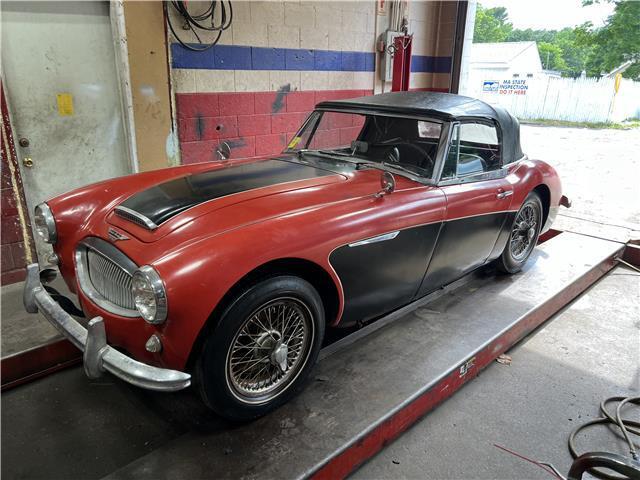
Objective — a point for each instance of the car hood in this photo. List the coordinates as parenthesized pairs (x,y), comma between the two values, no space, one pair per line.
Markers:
(155,211)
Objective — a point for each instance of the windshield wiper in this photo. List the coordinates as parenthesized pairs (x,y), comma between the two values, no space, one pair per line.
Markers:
(333,152)
(400,167)
(323,152)
(330,153)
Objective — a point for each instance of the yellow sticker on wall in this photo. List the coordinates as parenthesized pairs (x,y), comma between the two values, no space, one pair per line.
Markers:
(65,104)
(294,142)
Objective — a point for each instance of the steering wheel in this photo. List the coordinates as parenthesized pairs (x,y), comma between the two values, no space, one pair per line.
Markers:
(393,154)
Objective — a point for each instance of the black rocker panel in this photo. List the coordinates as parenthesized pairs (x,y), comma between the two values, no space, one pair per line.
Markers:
(464,244)
(380,277)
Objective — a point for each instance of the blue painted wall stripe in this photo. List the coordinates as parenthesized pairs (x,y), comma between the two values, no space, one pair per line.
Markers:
(297,59)
(265,58)
(326,60)
(234,57)
(427,64)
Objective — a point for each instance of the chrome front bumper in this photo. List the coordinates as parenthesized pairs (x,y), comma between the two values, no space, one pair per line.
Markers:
(98,356)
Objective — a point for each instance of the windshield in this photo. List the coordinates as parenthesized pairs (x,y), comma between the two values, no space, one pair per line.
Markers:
(406,144)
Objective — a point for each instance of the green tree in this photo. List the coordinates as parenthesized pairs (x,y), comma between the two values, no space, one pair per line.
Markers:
(530,35)
(616,42)
(551,57)
(574,52)
(492,25)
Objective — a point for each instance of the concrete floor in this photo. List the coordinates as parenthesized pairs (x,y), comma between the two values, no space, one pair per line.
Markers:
(20,330)
(598,168)
(556,381)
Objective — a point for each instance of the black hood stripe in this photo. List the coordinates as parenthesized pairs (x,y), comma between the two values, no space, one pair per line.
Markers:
(162,202)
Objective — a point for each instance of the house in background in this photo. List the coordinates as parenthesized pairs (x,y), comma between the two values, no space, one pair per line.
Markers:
(506,67)
(505,60)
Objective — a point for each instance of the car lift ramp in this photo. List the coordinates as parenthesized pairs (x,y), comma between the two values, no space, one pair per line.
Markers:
(361,395)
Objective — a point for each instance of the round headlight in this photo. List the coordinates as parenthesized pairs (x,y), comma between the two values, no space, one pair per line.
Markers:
(45,223)
(149,295)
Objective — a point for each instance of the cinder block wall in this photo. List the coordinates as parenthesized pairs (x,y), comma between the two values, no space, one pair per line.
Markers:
(15,235)
(13,251)
(279,59)
(433,25)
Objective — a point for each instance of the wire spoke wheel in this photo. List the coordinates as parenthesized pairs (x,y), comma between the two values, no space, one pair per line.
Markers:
(269,350)
(524,232)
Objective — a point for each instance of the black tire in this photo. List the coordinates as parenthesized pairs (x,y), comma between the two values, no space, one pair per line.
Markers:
(242,347)
(512,259)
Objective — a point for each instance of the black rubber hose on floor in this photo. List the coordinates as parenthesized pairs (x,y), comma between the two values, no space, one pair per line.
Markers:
(626,426)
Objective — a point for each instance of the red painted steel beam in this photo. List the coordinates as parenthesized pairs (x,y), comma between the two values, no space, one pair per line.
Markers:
(400,419)
(401,63)
(548,235)
(632,254)
(24,367)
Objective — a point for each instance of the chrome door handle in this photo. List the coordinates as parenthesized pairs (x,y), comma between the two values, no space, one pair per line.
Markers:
(501,195)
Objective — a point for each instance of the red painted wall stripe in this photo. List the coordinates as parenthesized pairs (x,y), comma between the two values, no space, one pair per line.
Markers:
(252,123)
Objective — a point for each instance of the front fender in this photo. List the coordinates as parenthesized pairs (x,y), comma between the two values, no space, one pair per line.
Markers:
(199,275)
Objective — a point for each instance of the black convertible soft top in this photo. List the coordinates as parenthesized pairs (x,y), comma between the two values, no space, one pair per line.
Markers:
(444,106)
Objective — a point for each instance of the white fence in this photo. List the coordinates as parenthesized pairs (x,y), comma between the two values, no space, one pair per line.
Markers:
(549,98)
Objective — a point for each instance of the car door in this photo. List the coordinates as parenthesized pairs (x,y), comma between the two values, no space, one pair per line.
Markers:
(478,197)
(385,261)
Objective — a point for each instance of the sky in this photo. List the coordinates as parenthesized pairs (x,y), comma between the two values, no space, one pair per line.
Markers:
(551,14)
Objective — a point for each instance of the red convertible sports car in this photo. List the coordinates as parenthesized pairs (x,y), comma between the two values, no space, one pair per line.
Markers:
(227,273)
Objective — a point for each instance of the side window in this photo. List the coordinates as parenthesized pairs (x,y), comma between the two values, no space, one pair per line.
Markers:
(474,148)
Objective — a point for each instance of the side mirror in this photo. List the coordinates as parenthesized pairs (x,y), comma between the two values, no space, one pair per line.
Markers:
(387,184)
(223,151)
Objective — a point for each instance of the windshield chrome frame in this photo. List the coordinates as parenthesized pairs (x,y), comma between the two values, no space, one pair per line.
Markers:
(438,162)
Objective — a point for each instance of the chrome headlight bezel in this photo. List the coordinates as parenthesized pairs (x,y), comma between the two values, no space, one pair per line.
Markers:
(45,223)
(146,281)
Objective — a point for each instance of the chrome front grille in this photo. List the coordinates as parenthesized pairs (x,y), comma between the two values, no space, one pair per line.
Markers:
(110,280)
(104,275)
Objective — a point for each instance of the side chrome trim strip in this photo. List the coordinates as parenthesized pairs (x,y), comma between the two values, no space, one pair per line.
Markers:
(379,238)
(127,211)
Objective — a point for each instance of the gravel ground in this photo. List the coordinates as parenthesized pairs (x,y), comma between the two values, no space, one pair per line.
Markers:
(599,169)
